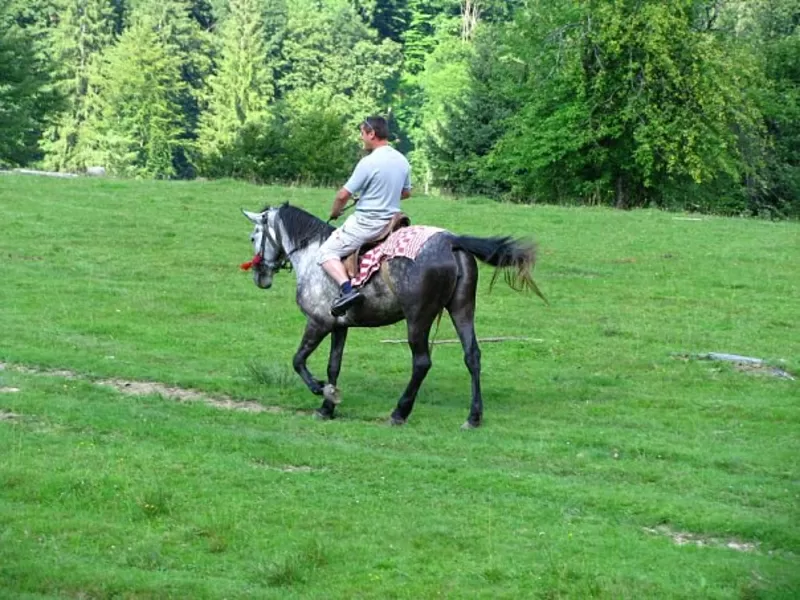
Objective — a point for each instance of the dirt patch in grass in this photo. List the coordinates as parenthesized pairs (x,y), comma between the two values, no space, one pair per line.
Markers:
(683,538)
(260,462)
(7,415)
(763,370)
(145,388)
(744,364)
(297,469)
(32,371)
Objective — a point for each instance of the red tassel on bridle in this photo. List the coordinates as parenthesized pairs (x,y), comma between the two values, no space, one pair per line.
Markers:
(245,266)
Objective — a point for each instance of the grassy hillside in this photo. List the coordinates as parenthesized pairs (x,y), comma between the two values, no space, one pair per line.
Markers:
(611,464)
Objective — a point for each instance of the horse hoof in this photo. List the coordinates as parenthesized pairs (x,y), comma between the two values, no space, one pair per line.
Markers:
(397,422)
(467,425)
(321,416)
(332,394)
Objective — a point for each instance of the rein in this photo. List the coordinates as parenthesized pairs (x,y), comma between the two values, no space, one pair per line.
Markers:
(276,243)
(344,210)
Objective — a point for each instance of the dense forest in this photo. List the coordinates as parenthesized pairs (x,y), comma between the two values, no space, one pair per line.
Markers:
(691,104)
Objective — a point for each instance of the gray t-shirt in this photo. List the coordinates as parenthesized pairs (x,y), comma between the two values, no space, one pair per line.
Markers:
(380,177)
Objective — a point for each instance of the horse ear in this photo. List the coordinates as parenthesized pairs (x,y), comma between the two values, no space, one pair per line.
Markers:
(254,217)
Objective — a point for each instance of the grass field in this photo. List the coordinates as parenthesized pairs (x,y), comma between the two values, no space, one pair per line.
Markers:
(611,463)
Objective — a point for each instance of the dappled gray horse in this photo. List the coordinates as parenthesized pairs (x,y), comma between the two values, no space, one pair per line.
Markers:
(443,275)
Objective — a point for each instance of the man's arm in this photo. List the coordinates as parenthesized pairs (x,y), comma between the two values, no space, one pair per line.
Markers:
(406,185)
(342,196)
(353,185)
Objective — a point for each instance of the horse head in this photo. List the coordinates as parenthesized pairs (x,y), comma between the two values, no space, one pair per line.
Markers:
(269,254)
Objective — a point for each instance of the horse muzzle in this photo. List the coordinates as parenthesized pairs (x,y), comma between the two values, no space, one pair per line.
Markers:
(262,279)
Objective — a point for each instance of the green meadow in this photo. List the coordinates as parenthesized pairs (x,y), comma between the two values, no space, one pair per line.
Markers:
(614,462)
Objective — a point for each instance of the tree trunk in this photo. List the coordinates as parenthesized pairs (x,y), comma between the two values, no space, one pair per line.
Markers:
(622,193)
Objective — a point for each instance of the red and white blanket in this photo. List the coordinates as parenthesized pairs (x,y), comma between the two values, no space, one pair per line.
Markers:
(406,242)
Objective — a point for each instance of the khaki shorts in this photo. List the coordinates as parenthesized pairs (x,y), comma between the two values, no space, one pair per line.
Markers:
(356,231)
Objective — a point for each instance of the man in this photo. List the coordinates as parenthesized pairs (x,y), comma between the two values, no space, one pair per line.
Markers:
(383,178)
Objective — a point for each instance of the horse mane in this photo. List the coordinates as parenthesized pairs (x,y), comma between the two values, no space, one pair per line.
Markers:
(302,227)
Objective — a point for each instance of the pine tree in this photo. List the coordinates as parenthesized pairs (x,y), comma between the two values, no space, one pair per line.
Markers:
(26,94)
(333,60)
(202,11)
(458,142)
(36,17)
(84,28)
(137,127)
(422,96)
(240,91)
(176,26)
(419,37)
(389,18)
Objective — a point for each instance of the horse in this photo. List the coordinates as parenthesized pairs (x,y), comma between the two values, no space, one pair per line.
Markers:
(442,276)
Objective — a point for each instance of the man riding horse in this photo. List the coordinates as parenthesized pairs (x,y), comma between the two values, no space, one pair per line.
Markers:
(382,178)
(424,272)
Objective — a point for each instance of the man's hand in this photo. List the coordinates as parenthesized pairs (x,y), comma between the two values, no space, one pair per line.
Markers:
(338,203)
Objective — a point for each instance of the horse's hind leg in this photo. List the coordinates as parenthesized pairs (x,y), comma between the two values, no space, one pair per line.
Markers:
(418,334)
(462,312)
(463,321)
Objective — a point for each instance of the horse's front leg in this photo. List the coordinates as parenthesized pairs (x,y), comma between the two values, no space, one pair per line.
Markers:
(312,336)
(331,393)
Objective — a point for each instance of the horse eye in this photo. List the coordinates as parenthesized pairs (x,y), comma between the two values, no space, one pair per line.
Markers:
(252,238)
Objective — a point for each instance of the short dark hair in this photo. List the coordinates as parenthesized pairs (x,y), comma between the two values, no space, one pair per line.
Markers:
(377,124)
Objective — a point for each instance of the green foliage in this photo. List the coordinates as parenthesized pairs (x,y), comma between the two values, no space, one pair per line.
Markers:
(776,189)
(459,143)
(312,146)
(27,98)
(240,92)
(388,17)
(688,104)
(425,16)
(442,84)
(136,128)
(37,17)
(619,100)
(178,25)
(429,18)
(84,28)
(332,60)
(630,104)
(294,118)
(438,51)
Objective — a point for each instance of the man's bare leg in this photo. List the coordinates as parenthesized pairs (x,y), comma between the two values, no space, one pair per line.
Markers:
(335,268)
(348,296)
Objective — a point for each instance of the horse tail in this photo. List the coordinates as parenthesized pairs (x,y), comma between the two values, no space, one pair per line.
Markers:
(516,258)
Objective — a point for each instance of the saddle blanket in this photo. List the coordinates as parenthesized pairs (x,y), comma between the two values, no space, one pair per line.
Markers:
(406,242)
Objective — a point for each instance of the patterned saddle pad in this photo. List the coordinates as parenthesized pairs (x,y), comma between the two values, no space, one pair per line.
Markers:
(406,242)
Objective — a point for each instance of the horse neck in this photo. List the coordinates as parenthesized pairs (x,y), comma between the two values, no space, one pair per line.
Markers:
(302,260)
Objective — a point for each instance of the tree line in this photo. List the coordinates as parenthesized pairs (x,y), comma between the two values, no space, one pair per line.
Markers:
(691,104)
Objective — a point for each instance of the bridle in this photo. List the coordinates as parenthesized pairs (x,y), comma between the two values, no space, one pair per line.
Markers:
(282,258)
